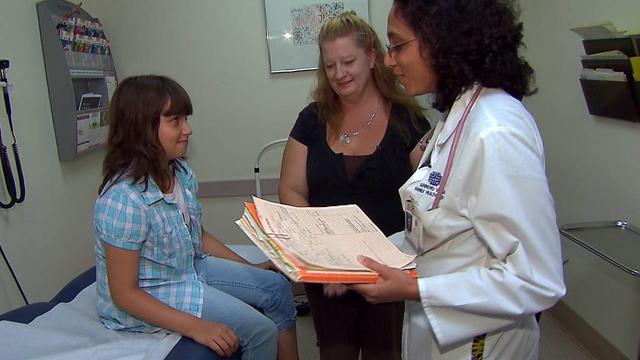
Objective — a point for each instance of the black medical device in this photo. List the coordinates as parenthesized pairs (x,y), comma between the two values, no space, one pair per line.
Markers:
(7,171)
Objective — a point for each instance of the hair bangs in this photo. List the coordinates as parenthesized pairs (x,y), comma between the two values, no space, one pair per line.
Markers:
(179,101)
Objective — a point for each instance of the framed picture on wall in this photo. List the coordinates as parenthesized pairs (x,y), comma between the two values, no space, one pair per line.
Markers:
(292,30)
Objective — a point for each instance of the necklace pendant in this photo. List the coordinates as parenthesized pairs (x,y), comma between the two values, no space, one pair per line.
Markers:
(345,139)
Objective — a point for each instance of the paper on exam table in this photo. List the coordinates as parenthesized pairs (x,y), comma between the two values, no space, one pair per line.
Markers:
(329,237)
(73,331)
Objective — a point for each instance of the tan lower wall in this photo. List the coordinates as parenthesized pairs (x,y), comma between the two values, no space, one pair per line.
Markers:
(586,335)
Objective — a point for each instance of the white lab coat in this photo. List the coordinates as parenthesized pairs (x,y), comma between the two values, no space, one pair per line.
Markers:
(491,254)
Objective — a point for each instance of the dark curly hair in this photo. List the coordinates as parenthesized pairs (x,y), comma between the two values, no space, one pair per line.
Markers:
(470,41)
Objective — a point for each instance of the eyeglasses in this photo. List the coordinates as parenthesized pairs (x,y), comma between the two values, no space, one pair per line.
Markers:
(395,49)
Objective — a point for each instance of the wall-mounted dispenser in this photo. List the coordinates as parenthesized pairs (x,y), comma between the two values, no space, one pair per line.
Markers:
(80,76)
(610,80)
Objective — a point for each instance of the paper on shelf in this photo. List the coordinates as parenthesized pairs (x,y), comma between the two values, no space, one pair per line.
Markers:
(604,30)
(606,55)
(603,74)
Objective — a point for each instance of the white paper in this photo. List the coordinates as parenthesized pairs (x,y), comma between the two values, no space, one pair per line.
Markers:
(329,237)
(111,85)
(603,74)
(606,55)
(605,30)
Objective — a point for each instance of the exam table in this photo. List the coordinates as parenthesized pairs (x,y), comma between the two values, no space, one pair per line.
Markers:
(185,348)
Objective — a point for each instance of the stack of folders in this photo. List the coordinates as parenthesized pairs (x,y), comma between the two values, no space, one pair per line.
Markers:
(320,244)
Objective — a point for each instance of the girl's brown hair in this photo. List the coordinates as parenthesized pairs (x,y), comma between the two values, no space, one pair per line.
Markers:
(133,146)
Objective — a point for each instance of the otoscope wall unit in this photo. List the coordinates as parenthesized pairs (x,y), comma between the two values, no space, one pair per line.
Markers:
(80,76)
(610,78)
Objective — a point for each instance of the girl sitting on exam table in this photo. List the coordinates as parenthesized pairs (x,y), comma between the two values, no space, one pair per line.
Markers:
(478,209)
(356,144)
(157,268)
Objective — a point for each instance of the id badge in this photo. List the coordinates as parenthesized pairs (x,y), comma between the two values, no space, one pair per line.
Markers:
(412,225)
(419,196)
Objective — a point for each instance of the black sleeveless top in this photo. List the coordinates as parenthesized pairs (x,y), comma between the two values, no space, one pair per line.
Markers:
(374,184)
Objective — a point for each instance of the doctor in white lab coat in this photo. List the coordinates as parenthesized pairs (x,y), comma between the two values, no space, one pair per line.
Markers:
(478,209)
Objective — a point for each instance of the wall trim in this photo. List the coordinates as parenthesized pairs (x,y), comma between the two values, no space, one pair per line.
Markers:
(227,188)
(590,339)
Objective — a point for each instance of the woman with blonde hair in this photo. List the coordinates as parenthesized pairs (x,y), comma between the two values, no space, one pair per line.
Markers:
(355,144)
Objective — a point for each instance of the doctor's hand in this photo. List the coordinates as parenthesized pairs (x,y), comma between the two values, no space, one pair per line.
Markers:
(392,285)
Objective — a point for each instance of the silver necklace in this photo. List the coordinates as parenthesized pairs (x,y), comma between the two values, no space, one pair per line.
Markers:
(345,139)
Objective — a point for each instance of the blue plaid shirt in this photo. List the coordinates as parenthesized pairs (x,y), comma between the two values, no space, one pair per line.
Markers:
(127,217)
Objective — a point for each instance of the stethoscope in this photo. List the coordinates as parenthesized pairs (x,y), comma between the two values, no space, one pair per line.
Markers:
(412,214)
(454,147)
(7,171)
(432,136)
(6,167)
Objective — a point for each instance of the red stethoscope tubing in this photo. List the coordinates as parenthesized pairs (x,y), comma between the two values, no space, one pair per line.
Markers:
(454,146)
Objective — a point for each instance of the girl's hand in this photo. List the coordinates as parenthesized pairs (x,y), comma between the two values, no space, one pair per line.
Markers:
(393,284)
(334,290)
(219,337)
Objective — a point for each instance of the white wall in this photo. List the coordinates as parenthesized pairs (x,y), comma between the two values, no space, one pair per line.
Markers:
(591,161)
(47,238)
(218,51)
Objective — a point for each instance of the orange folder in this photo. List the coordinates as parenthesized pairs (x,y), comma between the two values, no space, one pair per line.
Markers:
(296,269)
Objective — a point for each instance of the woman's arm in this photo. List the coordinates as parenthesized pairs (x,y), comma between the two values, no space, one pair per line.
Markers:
(122,276)
(414,156)
(293,188)
(211,245)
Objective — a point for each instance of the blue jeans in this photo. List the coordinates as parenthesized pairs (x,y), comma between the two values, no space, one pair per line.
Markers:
(256,304)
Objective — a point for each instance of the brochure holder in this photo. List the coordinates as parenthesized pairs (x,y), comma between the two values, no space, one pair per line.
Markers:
(608,98)
(80,76)
(628,45)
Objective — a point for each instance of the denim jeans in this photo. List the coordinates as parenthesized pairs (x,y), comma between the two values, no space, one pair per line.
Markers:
(256,304)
